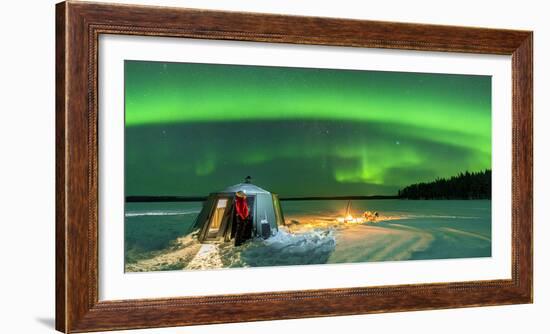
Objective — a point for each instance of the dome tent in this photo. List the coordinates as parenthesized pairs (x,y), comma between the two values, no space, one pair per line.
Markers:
(217,220)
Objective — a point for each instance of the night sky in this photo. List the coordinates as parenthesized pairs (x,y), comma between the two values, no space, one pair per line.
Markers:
(192,129)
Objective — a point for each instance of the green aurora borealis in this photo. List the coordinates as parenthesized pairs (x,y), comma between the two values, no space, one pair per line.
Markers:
(192,129)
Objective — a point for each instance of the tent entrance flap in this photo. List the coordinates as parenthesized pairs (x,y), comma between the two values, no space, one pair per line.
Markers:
(217,222)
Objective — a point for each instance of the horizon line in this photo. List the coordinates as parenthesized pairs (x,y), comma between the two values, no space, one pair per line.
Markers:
(162,198)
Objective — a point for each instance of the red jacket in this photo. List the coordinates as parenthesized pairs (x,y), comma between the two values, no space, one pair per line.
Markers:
(242,207)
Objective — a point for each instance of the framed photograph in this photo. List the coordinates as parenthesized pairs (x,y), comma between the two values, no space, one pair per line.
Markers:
(222,167)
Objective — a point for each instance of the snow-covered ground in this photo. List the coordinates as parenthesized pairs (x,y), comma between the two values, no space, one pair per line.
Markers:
(320,238)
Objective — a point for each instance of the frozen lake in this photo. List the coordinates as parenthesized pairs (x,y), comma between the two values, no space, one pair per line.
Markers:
(159,236)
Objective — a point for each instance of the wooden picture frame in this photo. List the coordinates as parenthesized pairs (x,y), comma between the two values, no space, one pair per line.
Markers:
(78,26)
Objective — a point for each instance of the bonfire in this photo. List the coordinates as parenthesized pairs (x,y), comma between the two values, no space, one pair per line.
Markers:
(368,216)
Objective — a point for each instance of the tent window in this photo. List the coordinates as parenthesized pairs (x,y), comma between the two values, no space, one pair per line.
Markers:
(217,216)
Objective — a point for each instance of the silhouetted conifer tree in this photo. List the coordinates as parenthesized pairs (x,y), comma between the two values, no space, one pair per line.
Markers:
(465,185)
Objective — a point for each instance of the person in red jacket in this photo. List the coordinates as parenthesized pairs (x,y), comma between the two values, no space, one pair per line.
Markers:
(242,219)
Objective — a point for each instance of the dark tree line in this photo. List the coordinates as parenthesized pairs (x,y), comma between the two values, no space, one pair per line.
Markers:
(465,185)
